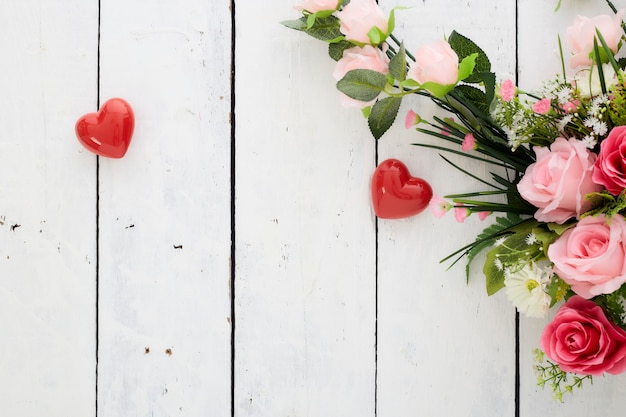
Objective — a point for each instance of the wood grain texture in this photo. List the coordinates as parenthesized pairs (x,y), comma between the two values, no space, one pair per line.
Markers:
(305,232)
(444,347)
(165,212)
(47,210)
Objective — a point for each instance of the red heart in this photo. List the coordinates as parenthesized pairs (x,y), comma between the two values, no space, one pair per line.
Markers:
(395,193)
(109,131)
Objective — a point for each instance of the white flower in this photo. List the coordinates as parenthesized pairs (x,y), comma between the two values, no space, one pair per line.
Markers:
(590,141)
(588,80)
(526,288)
(531,239)
(564,121)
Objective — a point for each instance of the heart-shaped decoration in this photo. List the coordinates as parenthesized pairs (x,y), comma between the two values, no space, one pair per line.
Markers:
(395,193)
(107,132)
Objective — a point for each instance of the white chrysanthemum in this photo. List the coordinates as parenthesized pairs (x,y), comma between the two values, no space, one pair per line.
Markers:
(526,288)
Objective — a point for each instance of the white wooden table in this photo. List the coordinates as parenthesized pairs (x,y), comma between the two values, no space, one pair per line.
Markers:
(230,263)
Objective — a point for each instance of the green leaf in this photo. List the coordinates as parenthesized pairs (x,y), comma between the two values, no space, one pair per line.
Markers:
(437,90)
(362,84)
(324,28)
(376,36)
(300,24)
(335,50)
(466,67)
(465,47)
(397,64)
(506,253)
(474,96)
(383,114)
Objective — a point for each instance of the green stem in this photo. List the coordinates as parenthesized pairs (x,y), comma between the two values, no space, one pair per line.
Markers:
(397,42)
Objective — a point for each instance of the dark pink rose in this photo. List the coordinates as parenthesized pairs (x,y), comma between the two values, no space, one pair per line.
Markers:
(559,180)
(610,167)
(582,340)
(591,257)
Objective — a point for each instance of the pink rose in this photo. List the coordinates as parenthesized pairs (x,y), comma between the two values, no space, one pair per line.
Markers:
(314,6)
(610,168)
(591,257)
(559,180)
(581,34)
(435,62)
(359,17)
(581,339)
(367,57)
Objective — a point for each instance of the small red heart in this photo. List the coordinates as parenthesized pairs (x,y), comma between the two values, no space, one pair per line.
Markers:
(395,193)
(109,131)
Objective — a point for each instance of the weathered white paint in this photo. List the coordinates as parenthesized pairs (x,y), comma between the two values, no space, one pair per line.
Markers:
(444,348)
(165,212)
(305,233)
(47,209)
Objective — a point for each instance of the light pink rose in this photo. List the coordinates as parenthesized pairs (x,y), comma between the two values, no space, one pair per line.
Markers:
(314,6)
(435,62)
(367,57)
(581,339)
(591,257)
(559,180)
(610,168)
(359,17)
(581,34)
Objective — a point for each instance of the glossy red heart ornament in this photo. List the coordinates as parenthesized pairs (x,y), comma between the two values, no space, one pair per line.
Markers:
(109,131)
(395,193)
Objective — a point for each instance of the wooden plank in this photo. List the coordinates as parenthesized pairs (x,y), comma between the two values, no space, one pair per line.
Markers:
(538,30)
(305,236)
(444,348)
(47,209)
(165,346)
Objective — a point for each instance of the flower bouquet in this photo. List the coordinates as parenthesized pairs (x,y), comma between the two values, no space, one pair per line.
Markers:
(558,158)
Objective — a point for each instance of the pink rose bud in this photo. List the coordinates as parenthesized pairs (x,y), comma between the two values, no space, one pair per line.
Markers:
(435,62)
(359,17)
(314,6)
(367,57)
(580,36)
